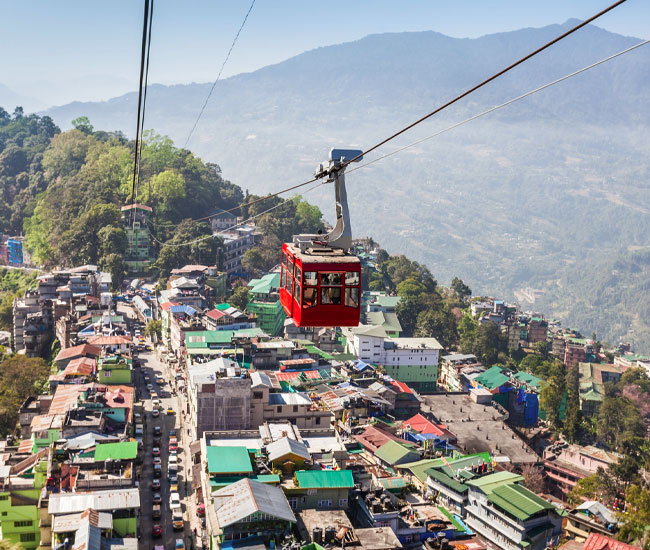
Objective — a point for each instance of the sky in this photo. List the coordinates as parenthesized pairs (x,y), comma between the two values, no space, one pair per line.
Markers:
(87,50)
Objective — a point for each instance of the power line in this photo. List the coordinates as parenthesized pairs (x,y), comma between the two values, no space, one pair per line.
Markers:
(441,108)
(497,107)
(206,237)
(144,102)
(145,23)
(490,79)
(205,103)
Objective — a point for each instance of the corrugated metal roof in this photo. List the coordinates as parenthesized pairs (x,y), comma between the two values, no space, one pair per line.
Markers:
(228,460)
(124,450)
(489,482)
(69,503)
(289,399)
(596,541)
(518,501)
(321,479)
(492,378)
(447,481)
(287,446)
(246,497)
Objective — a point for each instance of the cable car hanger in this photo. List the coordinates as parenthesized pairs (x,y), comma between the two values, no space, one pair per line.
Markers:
(340,237)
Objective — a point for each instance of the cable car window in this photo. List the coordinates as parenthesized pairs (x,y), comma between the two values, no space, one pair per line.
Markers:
(298,275)
(308,297)
(351,278)
(290,266)
(330,279)
(296,291)
(311,278)
(330,295)
(282,272)
(352,297)
(287,283)
(284,259)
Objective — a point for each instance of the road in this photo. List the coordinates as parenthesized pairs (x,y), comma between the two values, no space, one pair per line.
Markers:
(152,368)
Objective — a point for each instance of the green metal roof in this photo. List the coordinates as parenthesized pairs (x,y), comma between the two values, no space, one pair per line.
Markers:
(518,501)
(492,378)
(222,307)
(203,338)
(124,450)
(387,320)
(392,452)
(393,483)
(447,481)
(451,518)
(229,460)
(490,482)
(528,378)
(324,479)
(419,467)
(313,350)
(216,482)
(265,284)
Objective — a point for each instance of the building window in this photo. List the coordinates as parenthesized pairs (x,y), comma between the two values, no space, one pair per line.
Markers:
(258,395)
(311,491)
(295,408)
(27,523)
(326,503)
(4,497)
(27,537)
(318,420)
(343,502)
(293,503)
(279,409)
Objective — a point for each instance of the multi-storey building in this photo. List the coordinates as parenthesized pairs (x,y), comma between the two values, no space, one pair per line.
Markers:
(265,304)
(139,253)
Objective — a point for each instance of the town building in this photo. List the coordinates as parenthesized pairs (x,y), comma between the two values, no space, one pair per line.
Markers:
(236,242)
(319,489)
(139,252)
(453,368)
(264,303)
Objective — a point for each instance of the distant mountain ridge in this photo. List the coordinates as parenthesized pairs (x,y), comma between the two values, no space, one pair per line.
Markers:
(511,200)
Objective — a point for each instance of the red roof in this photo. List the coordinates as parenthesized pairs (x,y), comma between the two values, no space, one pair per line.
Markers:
(420,424)
(78,351)
(601,542)
(136,205)
(372,438)
(215,314)
(401,386)
(82,365)
(110,340)
(167,305)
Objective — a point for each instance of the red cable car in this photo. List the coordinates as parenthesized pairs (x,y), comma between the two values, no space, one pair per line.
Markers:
(320,282)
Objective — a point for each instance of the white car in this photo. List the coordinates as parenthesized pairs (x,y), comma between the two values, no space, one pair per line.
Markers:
(174,500)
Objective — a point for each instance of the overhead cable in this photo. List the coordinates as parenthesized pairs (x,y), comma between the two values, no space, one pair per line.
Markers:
(497,107)
(205,103)
(490,79)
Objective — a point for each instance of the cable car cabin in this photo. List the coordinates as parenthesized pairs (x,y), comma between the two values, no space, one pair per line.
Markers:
(320,288)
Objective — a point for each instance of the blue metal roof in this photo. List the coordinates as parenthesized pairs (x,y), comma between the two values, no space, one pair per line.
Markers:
(188,310)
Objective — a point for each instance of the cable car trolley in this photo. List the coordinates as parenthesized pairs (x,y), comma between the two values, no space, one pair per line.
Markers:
(320,283)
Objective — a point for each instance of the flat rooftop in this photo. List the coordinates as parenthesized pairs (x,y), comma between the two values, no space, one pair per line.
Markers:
(479,428)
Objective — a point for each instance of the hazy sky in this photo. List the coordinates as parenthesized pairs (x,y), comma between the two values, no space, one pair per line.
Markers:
(65,50)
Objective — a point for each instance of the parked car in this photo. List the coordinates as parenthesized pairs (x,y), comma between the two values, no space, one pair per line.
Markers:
(155,483)
(157,460)
(180,544)
(156,441)
(149,386)
(157,431)
(170,411)
(200,510)
(155,413)
(173,487)
(156,531)
(157,470)
(174,500)
(157,499)
(155,451)
(172,433)
(156,514)
(172,447)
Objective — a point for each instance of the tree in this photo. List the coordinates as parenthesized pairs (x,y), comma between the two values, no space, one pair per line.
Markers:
(488,343)
(533,478)
(541,348)
(114,264)
(239,298)
(112,240)
(66,153)
(635,519)
(619,422)
(20,377)
(437,323)
(551,399)
(461,289)
(153,330)
(599,486)
(83,124)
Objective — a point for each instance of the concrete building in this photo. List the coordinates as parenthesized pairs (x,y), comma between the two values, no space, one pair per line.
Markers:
(236,242)
(510,516)
(410,360)
(265,304)
(139,253)
(451,377)
(319,489)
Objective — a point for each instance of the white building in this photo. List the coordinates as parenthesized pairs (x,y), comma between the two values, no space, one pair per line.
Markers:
(410,360)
